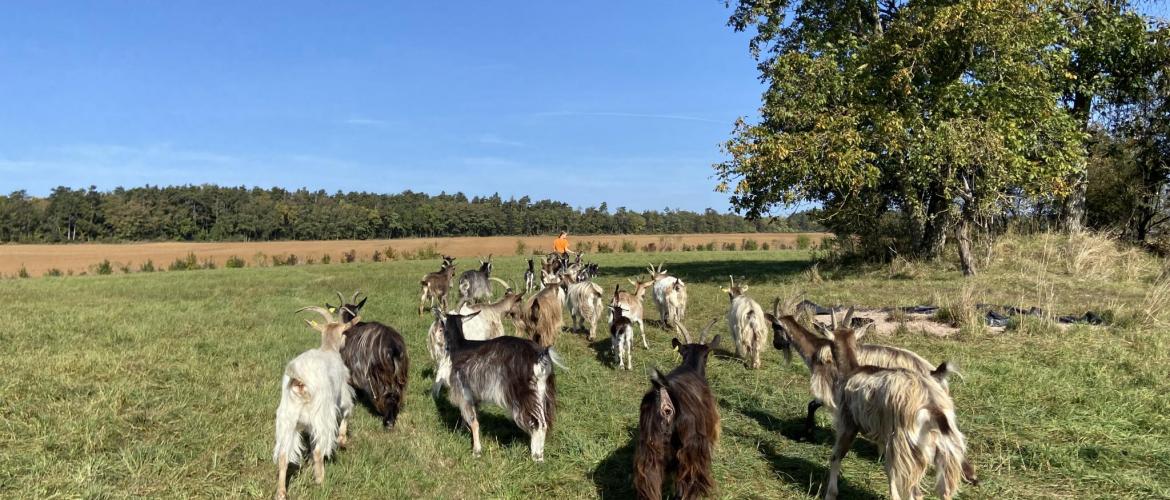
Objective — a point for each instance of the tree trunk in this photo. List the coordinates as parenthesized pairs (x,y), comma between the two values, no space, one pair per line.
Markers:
(934,233)
(963,234)
(1073,209)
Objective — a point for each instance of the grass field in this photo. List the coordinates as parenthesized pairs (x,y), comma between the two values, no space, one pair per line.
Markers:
(84,257)
(165,385)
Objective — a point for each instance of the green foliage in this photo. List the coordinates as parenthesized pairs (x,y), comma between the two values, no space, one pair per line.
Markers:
(629,246)
(53,273)
(281,260)
(391,254)
(234,262)
(750,245)
(23,273)
(426,252)
(349,257)
(803,242)
(728,245)
(521,247)
(325,259)
(583,247)
(376,256)
(146,267)
(188,263)
(603,247)
(103,268)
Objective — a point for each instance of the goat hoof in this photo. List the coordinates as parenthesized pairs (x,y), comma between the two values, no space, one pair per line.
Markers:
(538,457)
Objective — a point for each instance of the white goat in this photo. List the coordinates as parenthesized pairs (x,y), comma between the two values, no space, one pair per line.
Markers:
(314,395)
(584,300)
(749,327)
(670,295)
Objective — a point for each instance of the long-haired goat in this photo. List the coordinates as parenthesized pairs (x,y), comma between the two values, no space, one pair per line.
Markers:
(542,316)
(475,285)
(631,303)
(678,427)
(670,295)
(908,413)
(816,352)
(749,327)
(376,357)
(584,298)
(436,285)
(489,324)
(513,373)
(313,398)
(621,336)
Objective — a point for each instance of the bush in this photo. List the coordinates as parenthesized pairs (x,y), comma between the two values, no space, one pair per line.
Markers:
(427,252)
(604,248)
(391,253)
(234,262)
(650,247)
(629,246)
(687,248)
(803,242)
(103,268)
(125,268)
(207,264)
(729,245)
(325,259)
(765,246)
(51,273)
(583,246)
(147,267)
(377,256)
(290,260)
(710,246)
(23,273)
(750,245)
(521,247)
(348,257)
(310,261)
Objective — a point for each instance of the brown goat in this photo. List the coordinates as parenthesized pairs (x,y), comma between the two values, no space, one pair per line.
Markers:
(678,427)
(631,303)
(543,316)
(436,285)
(377,360)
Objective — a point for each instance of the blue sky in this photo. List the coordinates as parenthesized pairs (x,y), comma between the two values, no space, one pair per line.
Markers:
(622,102)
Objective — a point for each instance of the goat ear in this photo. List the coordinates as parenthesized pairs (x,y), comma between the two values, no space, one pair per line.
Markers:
(315,325)
(362,303)
(743,288)
(330,308)
(656,377)
(861,332)
(771,319)
(714,343)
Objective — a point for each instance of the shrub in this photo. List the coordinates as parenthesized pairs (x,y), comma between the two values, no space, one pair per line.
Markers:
(207,264)
(23,273)
(629,246)
(687,248)
(234,262)
(765,246)
(325,259)
(729,245)
(426,253)
(103,268)
(147,267)
(750,245)
(348,257)
(125,268)
(184,263)
(521,247)
(290,260)
(710,246)
(604,248)
(583,246)
(51,273)
(310,261)
(377,256)
(649,247)
(260,259)
(803,242)
(391,253)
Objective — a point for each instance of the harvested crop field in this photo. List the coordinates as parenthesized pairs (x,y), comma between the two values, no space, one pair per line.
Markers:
(79,258)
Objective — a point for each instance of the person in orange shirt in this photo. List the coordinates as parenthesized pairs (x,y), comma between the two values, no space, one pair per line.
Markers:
(561,244)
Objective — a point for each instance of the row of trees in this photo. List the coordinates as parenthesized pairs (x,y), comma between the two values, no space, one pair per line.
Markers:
(909,121)
(211,213)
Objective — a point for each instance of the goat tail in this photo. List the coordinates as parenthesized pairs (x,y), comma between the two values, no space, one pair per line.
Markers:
(555,358)
(950,455)
(288,437)
(654,431)
(944,370)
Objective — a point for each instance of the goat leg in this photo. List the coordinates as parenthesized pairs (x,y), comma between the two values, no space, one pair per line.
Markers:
(343,433)
(642,328)
(319,466)
(391,414)
(282,477)
(476,450)
(810,422)
(845,435)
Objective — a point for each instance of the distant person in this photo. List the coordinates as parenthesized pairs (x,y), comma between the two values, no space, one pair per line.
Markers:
(561,245)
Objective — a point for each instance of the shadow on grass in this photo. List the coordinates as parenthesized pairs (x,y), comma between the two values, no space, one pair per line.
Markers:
(603,351)
(614,475)
(808,477)
(490,424)
(717,271)
(793,429)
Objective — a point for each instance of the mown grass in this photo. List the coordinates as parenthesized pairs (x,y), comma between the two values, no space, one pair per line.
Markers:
(165,385)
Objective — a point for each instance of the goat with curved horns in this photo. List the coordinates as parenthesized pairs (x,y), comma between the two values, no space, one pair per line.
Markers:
(670,295)
(376,357)
(749,327)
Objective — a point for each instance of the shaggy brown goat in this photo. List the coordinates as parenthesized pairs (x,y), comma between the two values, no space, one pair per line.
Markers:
(378,364)
(678,427)
(543,316)
(436,285)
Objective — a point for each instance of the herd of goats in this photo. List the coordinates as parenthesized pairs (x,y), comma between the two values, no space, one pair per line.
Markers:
(892,396)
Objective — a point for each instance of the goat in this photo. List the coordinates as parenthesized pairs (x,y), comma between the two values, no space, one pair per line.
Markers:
(313,396)
(584,298)
(621,335)
(542,316)
(670,295)
(530,277)
(817,355)
(376,357)
(436,285)
(678,427)
(908,413)
(513,373)
(749,327)
(632,304)
(475,284)
(489,323)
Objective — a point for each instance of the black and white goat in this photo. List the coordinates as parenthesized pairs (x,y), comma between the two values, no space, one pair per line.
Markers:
(513,373)
(907,413)
(376,357)
(678,427)
(475,285)
(621,337)
(314,399)
(530,277)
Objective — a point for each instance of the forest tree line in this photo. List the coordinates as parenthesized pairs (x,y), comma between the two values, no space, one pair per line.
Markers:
(215,213)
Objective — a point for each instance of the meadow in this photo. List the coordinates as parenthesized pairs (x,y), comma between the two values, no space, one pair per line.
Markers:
(165,384)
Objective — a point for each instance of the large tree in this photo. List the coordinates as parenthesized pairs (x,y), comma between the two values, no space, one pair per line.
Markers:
(932,111)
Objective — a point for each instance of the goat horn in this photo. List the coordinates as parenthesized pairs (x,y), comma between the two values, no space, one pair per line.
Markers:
(703,334)
(683,330)
(502,282)
(848,318)
(319,310)
(833,318)
(353,300)
(776,307)
(340,298)
(732,280)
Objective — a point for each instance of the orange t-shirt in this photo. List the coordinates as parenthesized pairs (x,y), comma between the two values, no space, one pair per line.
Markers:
(561,245)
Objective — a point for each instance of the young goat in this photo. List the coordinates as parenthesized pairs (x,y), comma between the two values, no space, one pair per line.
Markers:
(678,427)
(436,285)
(670,295)
(530,277)
(475,285)
(621,336)
(513,373)
(313,396)
(907,413)
(376,357)
(749,327)
(816,352)
(584,299)
(631,303)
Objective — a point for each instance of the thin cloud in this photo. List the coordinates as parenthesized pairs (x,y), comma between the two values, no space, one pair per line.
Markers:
(495,140)
(365,122)
(619,114)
